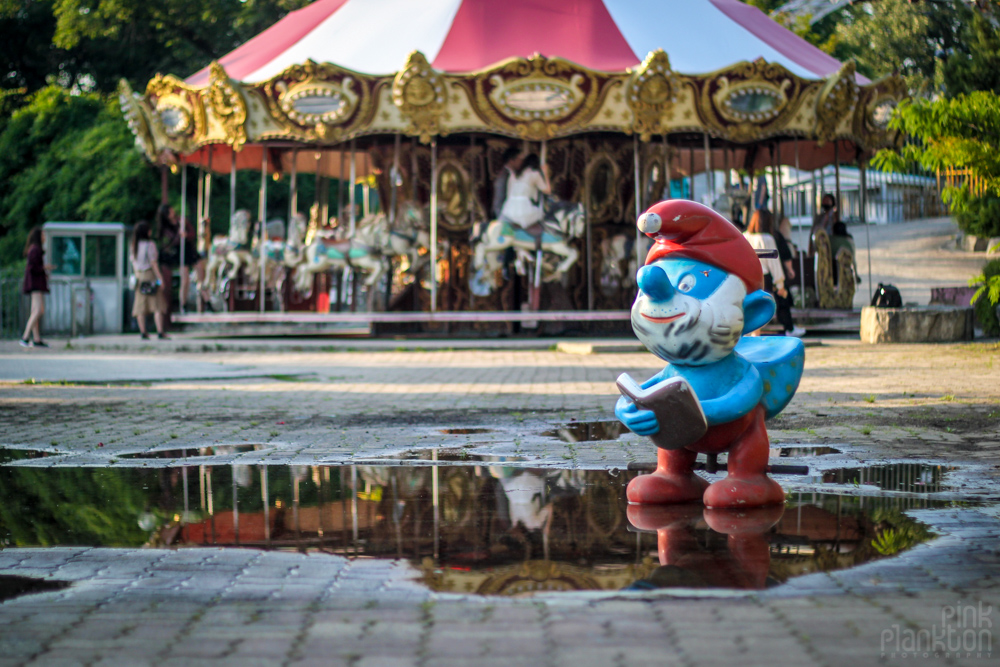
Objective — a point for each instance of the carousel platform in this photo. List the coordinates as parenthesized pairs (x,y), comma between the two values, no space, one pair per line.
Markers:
(373,323)
(366,324)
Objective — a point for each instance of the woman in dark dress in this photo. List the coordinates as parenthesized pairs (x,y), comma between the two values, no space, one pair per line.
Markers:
(36,283)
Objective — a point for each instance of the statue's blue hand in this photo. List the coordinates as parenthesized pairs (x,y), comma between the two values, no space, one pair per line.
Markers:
(642,422)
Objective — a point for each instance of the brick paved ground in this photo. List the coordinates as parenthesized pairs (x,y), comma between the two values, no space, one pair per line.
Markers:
(196,606)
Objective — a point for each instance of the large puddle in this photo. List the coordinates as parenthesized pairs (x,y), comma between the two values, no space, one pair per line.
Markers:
(486,528)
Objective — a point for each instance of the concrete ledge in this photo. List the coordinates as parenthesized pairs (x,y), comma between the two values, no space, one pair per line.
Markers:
(917,324)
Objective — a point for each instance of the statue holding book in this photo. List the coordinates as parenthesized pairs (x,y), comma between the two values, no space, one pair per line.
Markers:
(700,291)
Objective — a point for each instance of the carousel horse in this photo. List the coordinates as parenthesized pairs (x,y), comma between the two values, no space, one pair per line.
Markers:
(563,222)
(293,252)
(831,294)
(228,254)
(374,239)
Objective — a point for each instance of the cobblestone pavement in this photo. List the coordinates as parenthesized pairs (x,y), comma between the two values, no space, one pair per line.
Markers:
(937,403)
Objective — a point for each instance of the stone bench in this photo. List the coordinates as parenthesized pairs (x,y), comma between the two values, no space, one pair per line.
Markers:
(916,324)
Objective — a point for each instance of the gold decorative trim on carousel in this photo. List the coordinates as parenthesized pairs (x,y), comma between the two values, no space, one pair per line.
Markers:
(419,92)
(874,109)
(320,102)
(650,92)
(748,101)
(169,95)
(228,103)
(835,102)
(538,98)
(136,113)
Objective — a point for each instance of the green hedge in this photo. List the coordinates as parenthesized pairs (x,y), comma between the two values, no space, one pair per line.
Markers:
(979,216)
(988,297)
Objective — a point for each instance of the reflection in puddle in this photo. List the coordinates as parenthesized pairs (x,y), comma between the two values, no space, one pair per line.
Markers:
(465,431)
(487,529)
(587,431)
(188,452)
(803,450)
(908,477)
(12,587)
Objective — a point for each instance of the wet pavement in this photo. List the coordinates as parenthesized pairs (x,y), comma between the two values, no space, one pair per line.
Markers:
(438,508)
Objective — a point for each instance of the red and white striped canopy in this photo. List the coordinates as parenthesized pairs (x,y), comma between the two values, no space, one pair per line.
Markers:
(376,36)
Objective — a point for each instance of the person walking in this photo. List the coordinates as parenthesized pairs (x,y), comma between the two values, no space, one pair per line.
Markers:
(760,234)
(149,293)
(36,283)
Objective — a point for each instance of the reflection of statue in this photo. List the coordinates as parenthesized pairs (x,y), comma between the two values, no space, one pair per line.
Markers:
(700,291)
(686,561)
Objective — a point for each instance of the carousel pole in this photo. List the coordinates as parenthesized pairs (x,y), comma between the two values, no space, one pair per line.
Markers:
(691,172)
(349,277)
(590,241)
(802,268)
(709,176)
(318,196)
(262,214)
(725,167)
(232,187)
(666,168)
(293,191)
(183,222)
(836,171)
(536,287)
(638,203)
(394,179)
(434,224)
(779,185)
(354,177)
(864,219)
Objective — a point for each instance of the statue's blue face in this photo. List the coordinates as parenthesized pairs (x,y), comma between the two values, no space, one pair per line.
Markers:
(688,312)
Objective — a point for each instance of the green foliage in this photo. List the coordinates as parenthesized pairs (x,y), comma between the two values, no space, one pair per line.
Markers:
(61,506)
(963,132)
(977,65)
(69,157)
(979,216)
(987,297)
(91,44)
(948,46)
(896,532)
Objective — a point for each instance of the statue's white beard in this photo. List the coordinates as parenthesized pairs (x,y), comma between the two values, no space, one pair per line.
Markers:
(706,333)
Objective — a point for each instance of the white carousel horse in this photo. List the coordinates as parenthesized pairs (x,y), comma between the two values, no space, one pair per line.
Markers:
(293,253)
(374,239)
(563,222)
(229,254)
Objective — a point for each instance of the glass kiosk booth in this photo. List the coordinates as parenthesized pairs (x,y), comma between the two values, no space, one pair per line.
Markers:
(87,282)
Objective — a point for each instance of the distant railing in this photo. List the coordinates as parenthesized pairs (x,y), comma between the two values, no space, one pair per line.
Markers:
(888,197)
(958,178)
(68,309)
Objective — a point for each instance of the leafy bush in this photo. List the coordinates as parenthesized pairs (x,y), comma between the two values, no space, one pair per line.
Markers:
(70,158)
(979,216)
(987,297)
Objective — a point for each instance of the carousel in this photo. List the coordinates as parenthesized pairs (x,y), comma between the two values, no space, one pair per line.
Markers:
(625,103)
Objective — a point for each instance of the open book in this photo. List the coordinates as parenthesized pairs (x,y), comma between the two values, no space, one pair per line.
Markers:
(677,409)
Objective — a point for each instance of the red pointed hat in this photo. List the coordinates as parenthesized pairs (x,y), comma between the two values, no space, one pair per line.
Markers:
(697,232)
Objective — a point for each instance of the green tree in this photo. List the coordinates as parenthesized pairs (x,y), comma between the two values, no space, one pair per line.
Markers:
(962,132)
(977,65)
(69,157)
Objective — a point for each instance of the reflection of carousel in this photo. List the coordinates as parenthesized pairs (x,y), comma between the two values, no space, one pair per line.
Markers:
(428,96)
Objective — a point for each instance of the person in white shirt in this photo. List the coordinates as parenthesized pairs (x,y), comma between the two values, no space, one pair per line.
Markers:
(149,293)
(524,187)
(760,234)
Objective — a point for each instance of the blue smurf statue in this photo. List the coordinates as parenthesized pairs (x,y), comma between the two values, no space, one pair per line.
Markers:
(700,291)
